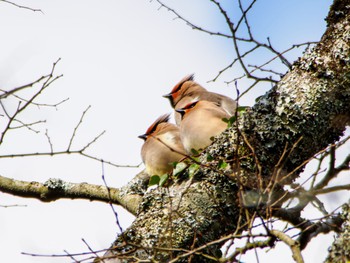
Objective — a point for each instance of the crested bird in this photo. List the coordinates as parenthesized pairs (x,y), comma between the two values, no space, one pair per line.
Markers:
(162,146)
(187,90)
(201,120)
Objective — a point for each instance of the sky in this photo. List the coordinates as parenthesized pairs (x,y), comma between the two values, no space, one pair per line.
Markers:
(119,57)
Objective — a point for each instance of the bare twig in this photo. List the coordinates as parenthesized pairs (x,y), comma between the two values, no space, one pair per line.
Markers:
(333,171)
(7,206)
(90,249)
(79,151)
(5,93)
(22,105)
(76,128)
(192,25)
(294,245)
(21,6)
(49,141)
(110,198)
(332,189)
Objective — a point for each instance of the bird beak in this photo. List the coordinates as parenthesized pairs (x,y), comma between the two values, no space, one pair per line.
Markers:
(181,111)
(143,137)
(171,99)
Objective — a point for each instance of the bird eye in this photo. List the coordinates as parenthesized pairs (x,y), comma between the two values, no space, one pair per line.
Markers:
(192,105)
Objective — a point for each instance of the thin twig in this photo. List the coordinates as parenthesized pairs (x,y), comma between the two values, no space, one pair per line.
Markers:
(21,6)
(110,198)
(76,128)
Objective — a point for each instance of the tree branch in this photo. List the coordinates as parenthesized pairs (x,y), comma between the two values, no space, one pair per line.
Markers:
(294,245)
(21,6)
(129,197)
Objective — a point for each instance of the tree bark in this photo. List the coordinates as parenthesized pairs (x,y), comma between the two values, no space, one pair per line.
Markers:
(129,196)
(340,249)
(266,149)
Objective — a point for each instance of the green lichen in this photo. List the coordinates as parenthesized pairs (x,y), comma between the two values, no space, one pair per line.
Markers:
(340,249)
(55,184)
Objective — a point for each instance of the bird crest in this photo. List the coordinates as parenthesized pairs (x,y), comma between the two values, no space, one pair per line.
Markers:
(179,85)
(161,119)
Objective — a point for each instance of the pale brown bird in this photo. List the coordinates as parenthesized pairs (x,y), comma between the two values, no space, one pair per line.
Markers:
(201,120)
(187,90)
(162,146)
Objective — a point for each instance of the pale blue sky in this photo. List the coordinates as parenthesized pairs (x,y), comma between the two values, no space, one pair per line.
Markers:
(119,57)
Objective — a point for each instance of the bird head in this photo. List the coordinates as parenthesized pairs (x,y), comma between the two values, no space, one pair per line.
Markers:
(176,93)
(155,126)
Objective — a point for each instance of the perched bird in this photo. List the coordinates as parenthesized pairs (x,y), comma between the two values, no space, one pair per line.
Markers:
(162,146)
(187,90)
(201,120)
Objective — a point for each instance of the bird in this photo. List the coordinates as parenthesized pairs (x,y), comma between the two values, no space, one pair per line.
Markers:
(187,90)
(162,146)
(201,120)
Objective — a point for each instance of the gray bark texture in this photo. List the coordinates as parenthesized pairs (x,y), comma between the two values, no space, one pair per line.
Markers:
(266,149)
(340,249)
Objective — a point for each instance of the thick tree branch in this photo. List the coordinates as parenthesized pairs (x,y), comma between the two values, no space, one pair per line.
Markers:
(128,196)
